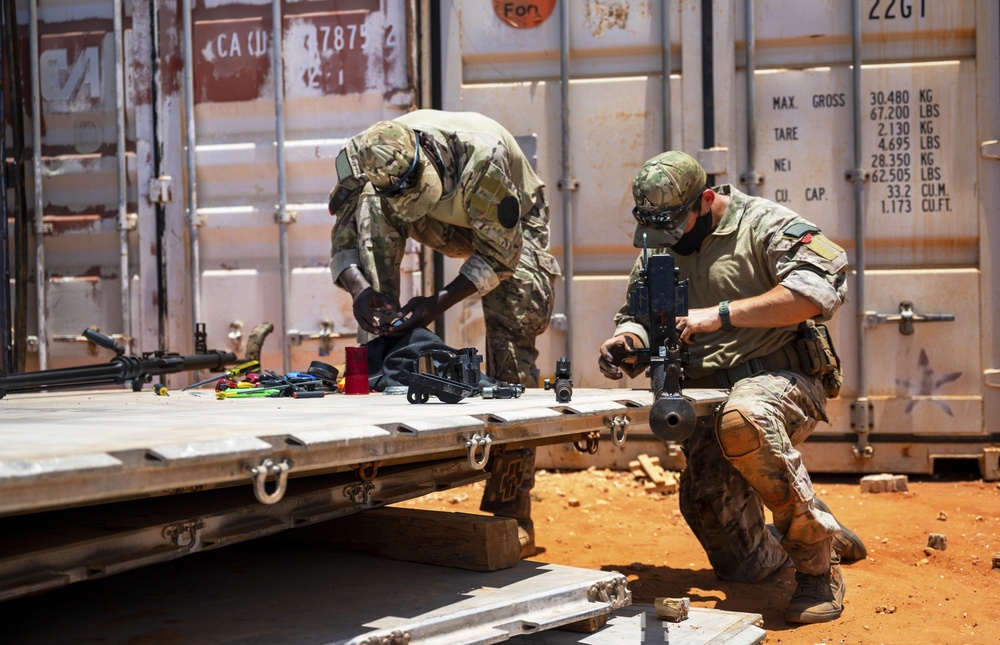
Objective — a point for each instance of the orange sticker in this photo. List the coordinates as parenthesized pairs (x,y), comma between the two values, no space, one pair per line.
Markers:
(523,14)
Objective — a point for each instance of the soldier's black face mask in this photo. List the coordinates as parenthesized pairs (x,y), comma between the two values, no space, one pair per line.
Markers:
(691,241)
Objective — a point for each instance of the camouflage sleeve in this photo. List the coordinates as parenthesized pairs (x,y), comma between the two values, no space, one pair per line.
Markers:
(490,199)
(809,263)
(344,240)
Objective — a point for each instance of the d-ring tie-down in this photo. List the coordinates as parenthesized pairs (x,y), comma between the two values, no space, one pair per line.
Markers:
(473,444)
(619,428)
(260,474)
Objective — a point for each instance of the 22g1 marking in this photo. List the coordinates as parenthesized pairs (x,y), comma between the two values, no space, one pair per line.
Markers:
(894,9)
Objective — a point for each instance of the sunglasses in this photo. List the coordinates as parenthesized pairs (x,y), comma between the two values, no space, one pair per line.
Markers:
(666,219)
(404,183)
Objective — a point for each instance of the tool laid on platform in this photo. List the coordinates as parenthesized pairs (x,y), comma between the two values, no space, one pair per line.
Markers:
(231,374)
(453,376)
(120,369)
(248,392)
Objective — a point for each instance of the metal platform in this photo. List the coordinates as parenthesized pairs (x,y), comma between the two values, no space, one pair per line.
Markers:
(67,449)
(638,624)
(277,590)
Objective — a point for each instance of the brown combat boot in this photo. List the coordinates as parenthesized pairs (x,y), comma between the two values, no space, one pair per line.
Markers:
(817,599)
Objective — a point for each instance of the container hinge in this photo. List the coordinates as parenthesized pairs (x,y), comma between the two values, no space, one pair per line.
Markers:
(474,444)
(862,422)
(752,178)
(260,474)
(568,183)
(990,149)
(906,317)
(325,336)
(857,175)
(236,334)
(161,190)
(618,425)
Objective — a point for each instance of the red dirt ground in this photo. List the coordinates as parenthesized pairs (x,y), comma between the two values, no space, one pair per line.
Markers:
(902,593)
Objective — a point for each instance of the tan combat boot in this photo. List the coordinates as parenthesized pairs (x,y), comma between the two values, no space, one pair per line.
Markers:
(526,537)
(817,599)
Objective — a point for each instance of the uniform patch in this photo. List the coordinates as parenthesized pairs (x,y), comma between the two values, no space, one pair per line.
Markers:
(509,212)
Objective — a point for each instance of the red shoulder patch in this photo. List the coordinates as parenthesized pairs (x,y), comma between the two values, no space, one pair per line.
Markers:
(807,238)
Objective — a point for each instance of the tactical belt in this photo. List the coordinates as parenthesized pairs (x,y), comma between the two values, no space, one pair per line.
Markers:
(785,358)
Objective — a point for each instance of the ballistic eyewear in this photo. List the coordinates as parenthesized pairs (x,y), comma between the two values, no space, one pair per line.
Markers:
(669,218)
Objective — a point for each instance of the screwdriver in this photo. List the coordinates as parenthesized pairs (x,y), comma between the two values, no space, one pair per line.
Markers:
(234,372)
(244,393)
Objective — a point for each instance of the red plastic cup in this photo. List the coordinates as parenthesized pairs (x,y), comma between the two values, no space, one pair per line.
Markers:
(356,370)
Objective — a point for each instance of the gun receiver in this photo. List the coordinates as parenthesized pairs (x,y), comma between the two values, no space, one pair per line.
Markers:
(452,376)
(120,369)
(657,300)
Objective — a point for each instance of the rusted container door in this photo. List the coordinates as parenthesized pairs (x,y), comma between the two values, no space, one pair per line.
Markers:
(83,245)
(122,260)
(928,124)
(345,65)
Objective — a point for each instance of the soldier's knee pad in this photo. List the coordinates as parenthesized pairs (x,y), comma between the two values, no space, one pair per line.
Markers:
(738,435)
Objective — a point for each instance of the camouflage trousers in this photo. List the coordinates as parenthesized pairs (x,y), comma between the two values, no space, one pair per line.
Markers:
(748,461)
(516,313)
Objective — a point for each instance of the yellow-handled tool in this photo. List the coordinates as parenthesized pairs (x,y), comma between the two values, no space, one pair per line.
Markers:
(234,372)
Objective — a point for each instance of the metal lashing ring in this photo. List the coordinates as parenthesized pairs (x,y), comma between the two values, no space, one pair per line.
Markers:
(593,443)
(260,474)
(619,429)
(473,444)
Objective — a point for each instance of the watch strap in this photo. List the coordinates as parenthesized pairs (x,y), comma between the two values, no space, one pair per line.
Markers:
(727,324)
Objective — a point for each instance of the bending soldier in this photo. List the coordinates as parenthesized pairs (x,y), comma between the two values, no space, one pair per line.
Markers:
(458,183)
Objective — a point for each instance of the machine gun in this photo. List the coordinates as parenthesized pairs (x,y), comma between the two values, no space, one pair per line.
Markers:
(120,369)
(658,299)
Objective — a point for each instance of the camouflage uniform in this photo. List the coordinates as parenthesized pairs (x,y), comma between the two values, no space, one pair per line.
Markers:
(484,203)
(750,457)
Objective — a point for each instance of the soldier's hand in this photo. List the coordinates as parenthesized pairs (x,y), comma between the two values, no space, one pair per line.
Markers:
(420,311)
(370,308)
(698,321)
(614,352)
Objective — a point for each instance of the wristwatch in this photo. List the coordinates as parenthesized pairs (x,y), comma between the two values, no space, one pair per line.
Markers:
(727,324)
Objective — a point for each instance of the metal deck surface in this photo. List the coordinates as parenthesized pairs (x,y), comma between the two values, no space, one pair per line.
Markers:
(638,624)
(277,590)
(67,449)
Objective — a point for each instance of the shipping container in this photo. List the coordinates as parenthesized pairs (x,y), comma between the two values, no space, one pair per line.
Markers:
(174,174)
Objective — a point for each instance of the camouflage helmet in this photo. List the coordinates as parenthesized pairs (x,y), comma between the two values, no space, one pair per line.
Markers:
(664,191)
(390,157)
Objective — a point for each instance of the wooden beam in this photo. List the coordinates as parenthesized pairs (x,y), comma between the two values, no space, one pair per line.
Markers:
(460,540)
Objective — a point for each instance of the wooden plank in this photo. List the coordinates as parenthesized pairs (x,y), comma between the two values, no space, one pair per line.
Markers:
(460,540)
(652,467)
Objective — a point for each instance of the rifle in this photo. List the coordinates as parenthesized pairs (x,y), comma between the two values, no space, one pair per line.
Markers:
(659,298)
(120,369)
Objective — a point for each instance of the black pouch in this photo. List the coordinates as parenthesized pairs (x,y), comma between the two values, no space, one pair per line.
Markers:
(818,357)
